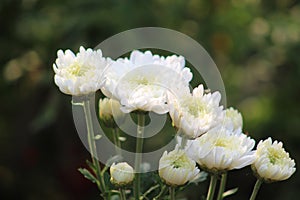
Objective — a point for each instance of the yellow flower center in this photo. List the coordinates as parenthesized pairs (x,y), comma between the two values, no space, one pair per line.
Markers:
(196,107)
(181,161)
(77,70)
(143,81)
(276,155)
(221,142)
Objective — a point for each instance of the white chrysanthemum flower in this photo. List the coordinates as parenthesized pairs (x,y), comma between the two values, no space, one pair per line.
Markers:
(221,149)
(79,74)
(232,119)
(272,162)
(121,174)
(110,113)
(176,168)
(195,113)
(141,82)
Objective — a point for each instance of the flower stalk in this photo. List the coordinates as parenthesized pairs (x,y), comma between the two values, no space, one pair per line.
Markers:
(212,187)
(222,186)
(256,188)
(138,155)
(172,193)
(92,146)
(122,194)
(116,135)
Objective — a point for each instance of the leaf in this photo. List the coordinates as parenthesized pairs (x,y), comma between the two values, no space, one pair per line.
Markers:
(87,174)
(122,139)
(91,165)
(97,137)
(230,192)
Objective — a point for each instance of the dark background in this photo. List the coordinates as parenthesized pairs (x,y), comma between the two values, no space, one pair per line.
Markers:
(255,44)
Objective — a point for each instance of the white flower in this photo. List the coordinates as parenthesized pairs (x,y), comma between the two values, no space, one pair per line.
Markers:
(272,162)
(141,82)
(110,113)
(121,174)
(232,119)
(195,113)
(79,74)
(176,168)
(221,149)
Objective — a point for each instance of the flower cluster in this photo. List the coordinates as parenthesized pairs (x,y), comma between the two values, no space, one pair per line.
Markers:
(210,136)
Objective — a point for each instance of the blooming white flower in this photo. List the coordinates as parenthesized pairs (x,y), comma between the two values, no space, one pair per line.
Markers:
(141,82)
(195,113)
(176,168)
(121,174)
(221,149)
(109,112)
(232,119)
(272,162)
(79,74)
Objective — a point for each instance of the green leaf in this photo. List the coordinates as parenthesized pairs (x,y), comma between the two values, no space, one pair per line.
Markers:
(91,165)
(87,174)
(122,139)
(230,192)
(97,137)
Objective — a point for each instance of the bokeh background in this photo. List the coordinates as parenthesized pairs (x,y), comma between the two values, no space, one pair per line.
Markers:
(255,44)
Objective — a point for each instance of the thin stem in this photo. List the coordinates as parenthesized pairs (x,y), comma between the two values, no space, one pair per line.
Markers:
(212,187)
(138,154)
(149,191)
(116,135)
(122,194)
(162,191)
(172,193)
(222,186)
(183,142)
(92,146)
(256,188)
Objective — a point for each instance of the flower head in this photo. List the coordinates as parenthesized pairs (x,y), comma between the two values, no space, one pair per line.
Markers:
(232,119)
(109,112)
(176,168)
(195,113)
(221,149)
(272,162)
(121,174)
(141,82)
(79,74)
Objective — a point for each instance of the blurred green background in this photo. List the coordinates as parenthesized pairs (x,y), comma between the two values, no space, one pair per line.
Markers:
(255,44)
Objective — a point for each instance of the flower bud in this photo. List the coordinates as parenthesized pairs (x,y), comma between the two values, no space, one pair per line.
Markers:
(272,162)
(121,174)
(109,112)
(176,168)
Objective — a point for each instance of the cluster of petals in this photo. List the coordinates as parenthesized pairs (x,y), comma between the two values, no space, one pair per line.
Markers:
(141,81)
(80,74)
(176,168)
(197,112)
(221,149)
(272,162)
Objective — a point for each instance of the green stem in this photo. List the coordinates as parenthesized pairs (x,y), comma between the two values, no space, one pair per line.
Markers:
(149,191)
(92,146)
(122,194)
(222,186)
(256,188)
(212,187)
(172,193)
(116,135)
(162,191)
(138,154)
(183,142)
